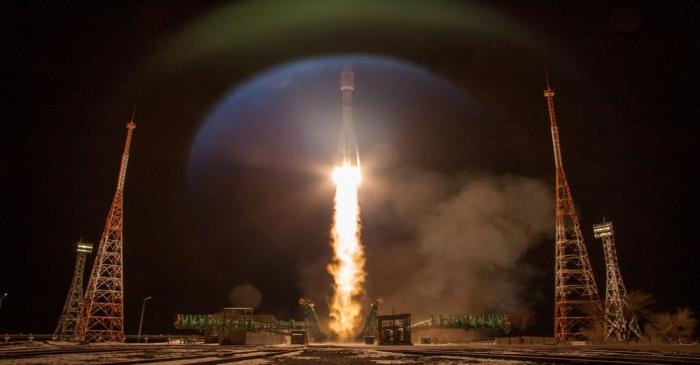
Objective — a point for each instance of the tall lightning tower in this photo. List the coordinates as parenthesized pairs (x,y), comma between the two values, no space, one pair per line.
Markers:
(65,329)
(616,306)
(102,315)
(576,301)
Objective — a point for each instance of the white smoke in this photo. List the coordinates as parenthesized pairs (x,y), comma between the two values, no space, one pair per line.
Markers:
(458,241)
(437,243)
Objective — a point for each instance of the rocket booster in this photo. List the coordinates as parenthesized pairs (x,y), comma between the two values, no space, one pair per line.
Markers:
(347,146)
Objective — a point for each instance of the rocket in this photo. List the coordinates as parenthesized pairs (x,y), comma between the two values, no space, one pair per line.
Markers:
(347,146)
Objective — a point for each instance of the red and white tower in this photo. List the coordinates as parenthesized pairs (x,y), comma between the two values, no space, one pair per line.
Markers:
(576,302)
(102,315)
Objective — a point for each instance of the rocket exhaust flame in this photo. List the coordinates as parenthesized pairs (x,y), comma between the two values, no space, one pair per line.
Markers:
(348,263)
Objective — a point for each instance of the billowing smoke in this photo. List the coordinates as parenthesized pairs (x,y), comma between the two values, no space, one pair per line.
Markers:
(448,244)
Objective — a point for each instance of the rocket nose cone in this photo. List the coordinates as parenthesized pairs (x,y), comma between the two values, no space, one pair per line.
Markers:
(347,78)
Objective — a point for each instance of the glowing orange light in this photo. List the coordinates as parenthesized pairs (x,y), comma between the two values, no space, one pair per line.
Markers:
(348,263)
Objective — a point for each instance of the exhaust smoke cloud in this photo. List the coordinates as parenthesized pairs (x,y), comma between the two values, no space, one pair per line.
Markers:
(449,244)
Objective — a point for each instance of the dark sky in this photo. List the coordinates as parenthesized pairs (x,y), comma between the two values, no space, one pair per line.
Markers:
(627,102)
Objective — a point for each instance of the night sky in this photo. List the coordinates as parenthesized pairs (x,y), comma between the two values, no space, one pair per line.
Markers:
(627,101)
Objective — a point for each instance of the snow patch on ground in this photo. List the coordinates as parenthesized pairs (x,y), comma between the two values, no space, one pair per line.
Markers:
(374,354)
(471,360)
(304,357)
(252,362)
(191,361)
(290,354)
(25,345)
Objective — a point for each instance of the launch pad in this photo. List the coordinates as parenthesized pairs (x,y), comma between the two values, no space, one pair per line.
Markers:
(240,326)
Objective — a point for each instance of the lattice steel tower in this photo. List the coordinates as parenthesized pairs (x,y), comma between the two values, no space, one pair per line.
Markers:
(616,306)
(102,316)
(370,326)
(576,301)
(65,329)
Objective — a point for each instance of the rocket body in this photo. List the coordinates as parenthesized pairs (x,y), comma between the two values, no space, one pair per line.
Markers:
(347,145)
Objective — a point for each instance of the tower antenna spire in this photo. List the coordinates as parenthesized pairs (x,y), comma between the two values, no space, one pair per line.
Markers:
(546,76)
(102,314)
(576,301)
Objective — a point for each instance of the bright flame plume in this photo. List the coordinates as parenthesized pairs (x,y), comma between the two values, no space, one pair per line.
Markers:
(348,266)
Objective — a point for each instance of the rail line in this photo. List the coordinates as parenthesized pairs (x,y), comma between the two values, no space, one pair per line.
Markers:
(18,354)
(582,357)
(215,358)
(76,349)
(201,356)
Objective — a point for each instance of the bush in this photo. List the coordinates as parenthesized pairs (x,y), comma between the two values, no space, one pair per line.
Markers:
(670,328)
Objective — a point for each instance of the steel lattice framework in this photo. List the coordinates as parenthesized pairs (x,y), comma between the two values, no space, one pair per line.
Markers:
(576,301)
(102,316)
(65,329)
(616,307)
(311,319)
(370,326)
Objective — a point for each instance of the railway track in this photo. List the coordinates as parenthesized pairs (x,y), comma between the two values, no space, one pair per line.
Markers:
(76,349)
(210,355)
(18,354)
(212,359)
(558,357)
(199,356)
